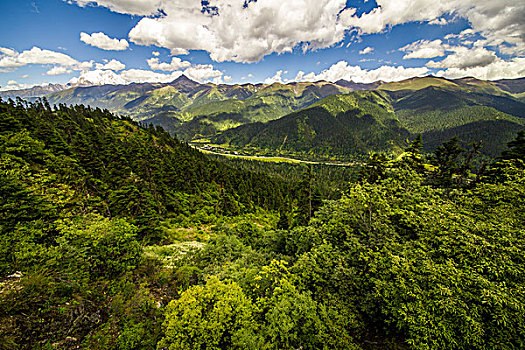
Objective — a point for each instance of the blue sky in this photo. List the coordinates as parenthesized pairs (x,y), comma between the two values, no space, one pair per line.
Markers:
(237,41)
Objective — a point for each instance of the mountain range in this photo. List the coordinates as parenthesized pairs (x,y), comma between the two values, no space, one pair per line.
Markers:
(325,119)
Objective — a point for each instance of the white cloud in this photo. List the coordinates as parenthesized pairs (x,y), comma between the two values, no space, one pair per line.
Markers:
(57,70)
(147,76)
(111,65)
(101,77)
(104,42)
(465,33)
(36,56)
(98,77)
(498,69)
(438,22)
(178,51)
(341,70)
(246,31)
(227,78)
(277,78)
(132,7)
(14,85)
(499,21)
(424,49)
(366,50)
(156,53)
(233,30)
(200,73)
(464,58)
(13,59)
(8,52)
(175,64)
(243,33)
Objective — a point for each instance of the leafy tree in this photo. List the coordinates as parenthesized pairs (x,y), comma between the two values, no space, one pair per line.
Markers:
(413,156)
(447,160)
(374,169)
(215,316)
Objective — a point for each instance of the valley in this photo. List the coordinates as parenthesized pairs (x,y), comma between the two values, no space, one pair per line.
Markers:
(318,121)
(329,208)
(262,175)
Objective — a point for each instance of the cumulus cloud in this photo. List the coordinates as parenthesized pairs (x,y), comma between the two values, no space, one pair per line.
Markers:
(424,49)
(342,70)
(366,50)
(175,64)
(14,85)
(14,59)
(111,65)
(438,22)
(498,69)
(231,31)
(464,58)
(156,53)
(147,76)
(104,42)
(277,78)
(132,7)
(200,73)
(58,70)
(97,77)
(178,51)
(8,52)
(35,56)
(498,21)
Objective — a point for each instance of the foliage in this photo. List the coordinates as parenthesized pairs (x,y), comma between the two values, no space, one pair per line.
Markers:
(412,255)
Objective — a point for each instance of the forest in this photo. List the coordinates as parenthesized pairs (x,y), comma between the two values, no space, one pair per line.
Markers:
(116,235)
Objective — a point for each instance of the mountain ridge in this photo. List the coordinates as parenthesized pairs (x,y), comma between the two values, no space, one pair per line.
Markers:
(192,110)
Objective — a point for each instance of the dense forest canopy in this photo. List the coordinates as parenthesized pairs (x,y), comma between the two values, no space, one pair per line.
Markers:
(115,235)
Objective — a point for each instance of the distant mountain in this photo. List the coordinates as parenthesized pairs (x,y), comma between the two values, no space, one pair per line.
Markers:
(471,109)
(34,92)
(358,86)
(382,120)
(192,110)
(339,126)
(429,105)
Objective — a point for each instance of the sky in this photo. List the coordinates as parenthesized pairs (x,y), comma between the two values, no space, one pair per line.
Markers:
(258,41)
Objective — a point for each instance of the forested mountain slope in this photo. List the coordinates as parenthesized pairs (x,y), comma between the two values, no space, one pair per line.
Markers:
(353,125)
(472,112)
(418,252)
(190,109)
(338,126)
(97,162)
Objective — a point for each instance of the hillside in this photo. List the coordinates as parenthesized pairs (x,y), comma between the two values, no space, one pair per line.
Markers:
(433,106)
(116,236)
(189,109)
(340,126)
(114,167)
(471,110)
(353,125)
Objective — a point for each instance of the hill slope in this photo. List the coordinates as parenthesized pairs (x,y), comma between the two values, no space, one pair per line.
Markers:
(346,126)
(117,168)
(338,126)
(469,109)
(189,109)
